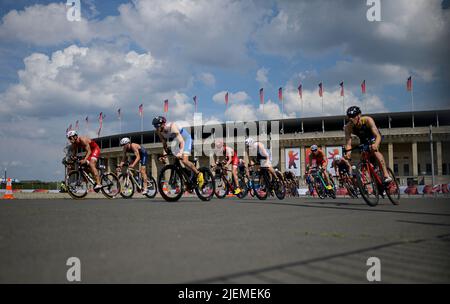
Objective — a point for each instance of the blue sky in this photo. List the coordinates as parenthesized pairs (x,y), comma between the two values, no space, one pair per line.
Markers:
(125,53)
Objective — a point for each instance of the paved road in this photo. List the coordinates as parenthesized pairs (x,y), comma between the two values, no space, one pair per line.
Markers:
(224,241)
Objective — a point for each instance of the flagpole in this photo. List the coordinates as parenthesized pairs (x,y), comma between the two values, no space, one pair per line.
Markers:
(142,121)
(412,103)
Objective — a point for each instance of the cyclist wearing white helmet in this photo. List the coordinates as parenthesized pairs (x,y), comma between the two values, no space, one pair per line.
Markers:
(170,131)
(341,165)
(231,158)
(92,153)
(141,157)
(321,162)
(262,154)
(365,128)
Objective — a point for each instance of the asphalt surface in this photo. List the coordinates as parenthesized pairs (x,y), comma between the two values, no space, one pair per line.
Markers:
(224,241)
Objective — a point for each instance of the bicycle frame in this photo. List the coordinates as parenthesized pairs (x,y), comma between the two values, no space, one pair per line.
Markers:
(365,161)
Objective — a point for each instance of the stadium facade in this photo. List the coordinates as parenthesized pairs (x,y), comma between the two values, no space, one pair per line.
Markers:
(408,138)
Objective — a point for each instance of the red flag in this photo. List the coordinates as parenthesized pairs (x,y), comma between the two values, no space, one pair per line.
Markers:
(195,103)
(300,91)
(166,106)
(363,87)
(119,114)
(76,125)
(320,90)
(342,88)
(141,109)
(226,98)
(409,84)
(280,94)
(261,96)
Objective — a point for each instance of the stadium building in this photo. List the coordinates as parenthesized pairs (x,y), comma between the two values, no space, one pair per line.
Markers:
(411,140)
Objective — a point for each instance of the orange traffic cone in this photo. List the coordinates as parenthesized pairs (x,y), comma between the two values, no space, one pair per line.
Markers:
(9,192)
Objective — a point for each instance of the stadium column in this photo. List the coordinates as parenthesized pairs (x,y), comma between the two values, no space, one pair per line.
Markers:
(414,159)
(282,160)
(302,161)
(391,155)
(154,165)
(439,157)
(110,164)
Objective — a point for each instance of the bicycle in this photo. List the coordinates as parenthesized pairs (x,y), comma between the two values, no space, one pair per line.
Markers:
(291,184)
(174,180)
(223,186)
(370,179)
(131,180)
(78,179)
(263,184)
(320,186)
(349,183)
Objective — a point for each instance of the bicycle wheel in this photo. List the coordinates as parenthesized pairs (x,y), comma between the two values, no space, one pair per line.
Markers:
(221,186)
(392,189)
(152,188)
(280,188)
(170,184)
(126,186)
(367,185)
(243,187)
(320,189)
(77,185)
(110,185)
(261,186)
(207,191)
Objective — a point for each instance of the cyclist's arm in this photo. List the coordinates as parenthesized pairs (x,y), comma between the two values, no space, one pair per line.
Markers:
(174,129)
(348,140)
(86,142)
(228,157)
(349,166)
(136,153)
(375,132)
(124,157)
(263,150)
(163,141)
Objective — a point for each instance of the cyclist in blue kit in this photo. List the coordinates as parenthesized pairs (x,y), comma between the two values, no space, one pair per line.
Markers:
(169,131)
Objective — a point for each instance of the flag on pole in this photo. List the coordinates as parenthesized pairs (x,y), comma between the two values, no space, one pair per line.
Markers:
(195,103)
(166,106)
(342,88)
(76,125)
(409,84)
(141,110)
(87,119)
(261,96)
(70,127)
(226,99)
(119,114)
(320,90)
(300,93)
(280,94)
(100,120)
(363,87)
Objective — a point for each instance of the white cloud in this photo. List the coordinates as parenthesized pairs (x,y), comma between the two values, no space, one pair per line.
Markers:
(241,112)
(207,79)
(237,97)
(261,76)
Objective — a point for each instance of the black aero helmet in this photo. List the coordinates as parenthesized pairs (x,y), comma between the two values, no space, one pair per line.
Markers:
(158,121)
(353,111)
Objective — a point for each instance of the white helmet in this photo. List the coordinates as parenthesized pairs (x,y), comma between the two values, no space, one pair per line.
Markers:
(337,157)
(249,141)
(124,141)
(218,143)
(71,133)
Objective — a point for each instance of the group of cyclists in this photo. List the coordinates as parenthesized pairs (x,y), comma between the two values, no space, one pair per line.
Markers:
(363,127)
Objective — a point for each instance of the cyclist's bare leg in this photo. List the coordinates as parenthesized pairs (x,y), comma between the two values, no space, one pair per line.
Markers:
(144,175)
(380,158)
(235,176)
(272,172)
(93,167)
(187,163)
